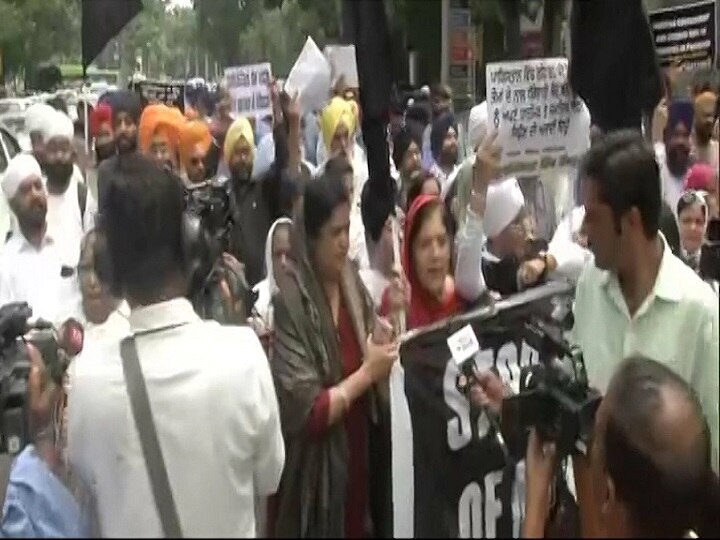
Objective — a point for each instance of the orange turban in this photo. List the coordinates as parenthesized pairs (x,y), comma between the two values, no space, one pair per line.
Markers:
(160,120)
(193,133)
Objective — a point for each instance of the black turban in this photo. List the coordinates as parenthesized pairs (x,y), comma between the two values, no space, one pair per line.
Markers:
(125,101)
(440,127)
(403,139)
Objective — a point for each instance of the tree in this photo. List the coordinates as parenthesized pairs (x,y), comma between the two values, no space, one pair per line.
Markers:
(219,23)
(34,31)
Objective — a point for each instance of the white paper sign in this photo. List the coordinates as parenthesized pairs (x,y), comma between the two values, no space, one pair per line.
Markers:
(310,77)
(248,88)
(344,64)
(463,344)
(540,125)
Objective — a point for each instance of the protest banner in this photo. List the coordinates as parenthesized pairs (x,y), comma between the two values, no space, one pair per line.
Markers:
(343,63)
(450,476)
(543,131)
(171,94)
(249,91)
(686,35)
(310,78)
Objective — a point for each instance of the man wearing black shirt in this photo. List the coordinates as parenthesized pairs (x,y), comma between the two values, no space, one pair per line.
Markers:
(258,202)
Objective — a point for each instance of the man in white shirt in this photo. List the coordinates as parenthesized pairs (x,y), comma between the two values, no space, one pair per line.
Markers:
(31,267)
(638,298)
(209,386)
(71,207)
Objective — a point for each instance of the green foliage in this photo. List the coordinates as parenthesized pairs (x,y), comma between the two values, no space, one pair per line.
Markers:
(34,31)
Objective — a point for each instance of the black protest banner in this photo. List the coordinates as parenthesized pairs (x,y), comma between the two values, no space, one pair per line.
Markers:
(450,476)
(102,20)
(171,94)
(686,35)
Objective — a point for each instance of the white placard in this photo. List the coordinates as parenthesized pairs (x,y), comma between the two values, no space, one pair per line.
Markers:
(310,77)
(343,63)
(463,344)
(248,88)
(540,124)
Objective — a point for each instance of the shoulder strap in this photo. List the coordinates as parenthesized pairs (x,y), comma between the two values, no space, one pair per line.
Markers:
(140,404)
(82,191)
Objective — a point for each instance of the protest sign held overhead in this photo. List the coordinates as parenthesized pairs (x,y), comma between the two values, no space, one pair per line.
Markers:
(249,91)
(686,35)
(451,478)
(540,124)
(171,94)
(343,63)
(310,77)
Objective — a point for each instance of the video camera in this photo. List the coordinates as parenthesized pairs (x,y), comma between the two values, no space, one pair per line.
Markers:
(210,223)
(15,365)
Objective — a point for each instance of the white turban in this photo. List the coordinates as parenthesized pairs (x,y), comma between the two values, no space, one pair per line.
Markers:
(504,202)
(36,115)
(20,168)
(477,125)
(58,125)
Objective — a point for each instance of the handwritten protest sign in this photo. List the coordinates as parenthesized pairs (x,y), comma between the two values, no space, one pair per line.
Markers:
(540,124)
(248,87)
(171,94)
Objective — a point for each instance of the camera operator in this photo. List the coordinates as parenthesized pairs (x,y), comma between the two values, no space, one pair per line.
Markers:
(649,472)
(38,501)
(639,298)
(216,439)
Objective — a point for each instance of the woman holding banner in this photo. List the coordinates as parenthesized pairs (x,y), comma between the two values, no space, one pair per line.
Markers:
(330,354)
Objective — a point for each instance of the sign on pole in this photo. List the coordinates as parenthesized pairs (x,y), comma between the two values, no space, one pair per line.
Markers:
(249,91)
(462,58)
(686,35)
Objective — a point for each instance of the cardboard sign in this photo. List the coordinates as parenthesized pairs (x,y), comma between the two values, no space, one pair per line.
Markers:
(540,124)
(248,88)
(171,94)
(310,78)
(343,63)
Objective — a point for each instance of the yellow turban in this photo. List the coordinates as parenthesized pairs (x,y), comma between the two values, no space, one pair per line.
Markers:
(159,120)
(239,129)
(338,111)
(193,133)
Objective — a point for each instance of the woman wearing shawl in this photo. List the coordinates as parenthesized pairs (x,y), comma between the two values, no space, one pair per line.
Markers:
(426,262)
(277,259)
(195,143)
(159,134)
(327,370)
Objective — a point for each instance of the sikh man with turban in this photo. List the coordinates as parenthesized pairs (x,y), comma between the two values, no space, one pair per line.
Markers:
(159,135)
(32,268)
(257,202)
(195,142)
(71,208)
(126,109)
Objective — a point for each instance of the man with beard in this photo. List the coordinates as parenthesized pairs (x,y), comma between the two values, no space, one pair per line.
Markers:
(126,108)
(407,157)
(677,151)
(31,265)
(101,131)
(258,202)
(195,143)
(444,147)
(35,117)
(705,149)
(71,208)
(159,134)
(441,103)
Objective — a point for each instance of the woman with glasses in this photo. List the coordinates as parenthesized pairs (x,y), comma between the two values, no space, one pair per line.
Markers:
(692,212)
